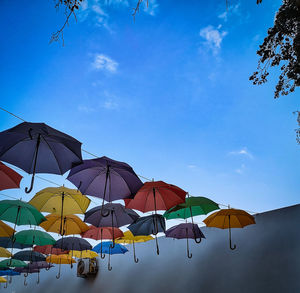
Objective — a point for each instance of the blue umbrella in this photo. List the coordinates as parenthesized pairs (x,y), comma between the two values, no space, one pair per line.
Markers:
(106,247)
(9,273)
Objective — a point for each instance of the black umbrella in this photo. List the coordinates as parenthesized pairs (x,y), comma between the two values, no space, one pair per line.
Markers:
(39,148)
(72,243)
(7,243)
(149,225)
(29,255)
(110,215)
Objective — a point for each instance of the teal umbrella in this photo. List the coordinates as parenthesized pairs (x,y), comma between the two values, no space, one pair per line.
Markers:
(12,263)
(20,213)
(34,237)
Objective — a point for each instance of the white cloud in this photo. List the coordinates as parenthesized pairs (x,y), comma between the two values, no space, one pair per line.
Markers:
(242,152)
(233,9)
(241,169)
(151,8)
(103,62)
(213,37)
(110,105)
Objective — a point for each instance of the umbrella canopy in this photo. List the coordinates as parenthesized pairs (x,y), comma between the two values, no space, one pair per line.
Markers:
(26,270)
(39,265)
(20,213)
(49,249)
(105,178)
(71,224)
(83,254)
(156,195)
(72,243)
(229,218)
(185,231)
(2,280)
(149,225)
(106,247)
(7,243)
(12,263)
(34,237)
(129,238)
(29,255)
(60,259)
(5,230)
(4,252)
(9,178)
(8,273)
(99,233)
(39,148)
(193,206)
(60,201)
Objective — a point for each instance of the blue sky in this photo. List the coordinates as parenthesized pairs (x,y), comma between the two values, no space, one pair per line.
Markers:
(169,93)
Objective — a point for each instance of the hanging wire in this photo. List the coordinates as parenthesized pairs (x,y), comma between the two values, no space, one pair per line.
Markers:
(93,155)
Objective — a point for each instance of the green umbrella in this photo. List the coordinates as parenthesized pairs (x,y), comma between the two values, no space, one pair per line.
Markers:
(12,263)
(20,213)
(193,206)
(32,237)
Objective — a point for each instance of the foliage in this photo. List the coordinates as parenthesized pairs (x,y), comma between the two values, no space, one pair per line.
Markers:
(281,48)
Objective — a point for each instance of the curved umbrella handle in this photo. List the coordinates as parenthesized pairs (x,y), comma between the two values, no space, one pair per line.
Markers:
(26,274)
(109,266)
(25,283)
(101,255)
(28,190)
(187,245)
(198,241)
(136,260)
(58,275)
(113,230)
(230,245)
(38,278)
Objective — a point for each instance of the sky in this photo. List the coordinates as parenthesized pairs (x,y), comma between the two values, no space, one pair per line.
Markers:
(168,93)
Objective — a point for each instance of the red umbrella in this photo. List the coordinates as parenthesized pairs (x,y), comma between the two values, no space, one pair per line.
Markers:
(48,249)
(9,178)
(99,233)
(156,195)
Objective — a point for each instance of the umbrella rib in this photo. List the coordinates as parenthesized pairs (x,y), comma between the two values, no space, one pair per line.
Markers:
(53,154)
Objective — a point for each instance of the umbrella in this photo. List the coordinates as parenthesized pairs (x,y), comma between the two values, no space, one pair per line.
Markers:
(193,206)
(9,272)
(105,178)
(60,201)
(7,243)
(102,233)
(5,230)
(229,218)
(83,254)
(29,255)
(156,195)
(48,249)
(106,247)
(119,216)
(71,225)
(4,252)
(26,271)
(39,148)
(39,265)
(12,263)
(60,259)
(72,243)
(9,178)
(20,213)
(129,238)
(185,230)
(34,237)
(149,225)
(2,280)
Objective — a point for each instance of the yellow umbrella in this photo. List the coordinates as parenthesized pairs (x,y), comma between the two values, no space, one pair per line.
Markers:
(129,238)
(83,254)
(60,259)
(60,201)
(4,252)
(229,218)
(5,230)
(71,224)
(2,280)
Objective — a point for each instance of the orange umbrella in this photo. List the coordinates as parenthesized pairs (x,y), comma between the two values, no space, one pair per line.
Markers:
(5,230)
(60,259)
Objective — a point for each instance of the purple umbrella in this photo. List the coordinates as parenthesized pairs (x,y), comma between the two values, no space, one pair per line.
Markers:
(26,271)
(105,178)
(39,148)
(40,265)
(120,216)
(186,230)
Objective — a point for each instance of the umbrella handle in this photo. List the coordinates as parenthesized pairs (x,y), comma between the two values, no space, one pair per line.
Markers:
(187,245)
(38,278)
(230,245)
(101,255)
(5,286)
(109,266)
(26,275)
(198,241)
(25,283)
(136,260)
(104,193)
(28,190)
(113,230)
(58,275)
(157,248)
(10,279)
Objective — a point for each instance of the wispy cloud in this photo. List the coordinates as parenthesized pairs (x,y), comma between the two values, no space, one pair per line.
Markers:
(104,62)
(151,8)
(232,10)
(213,37)
(242,152)
(241,170)
(86,109)
(191,166)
